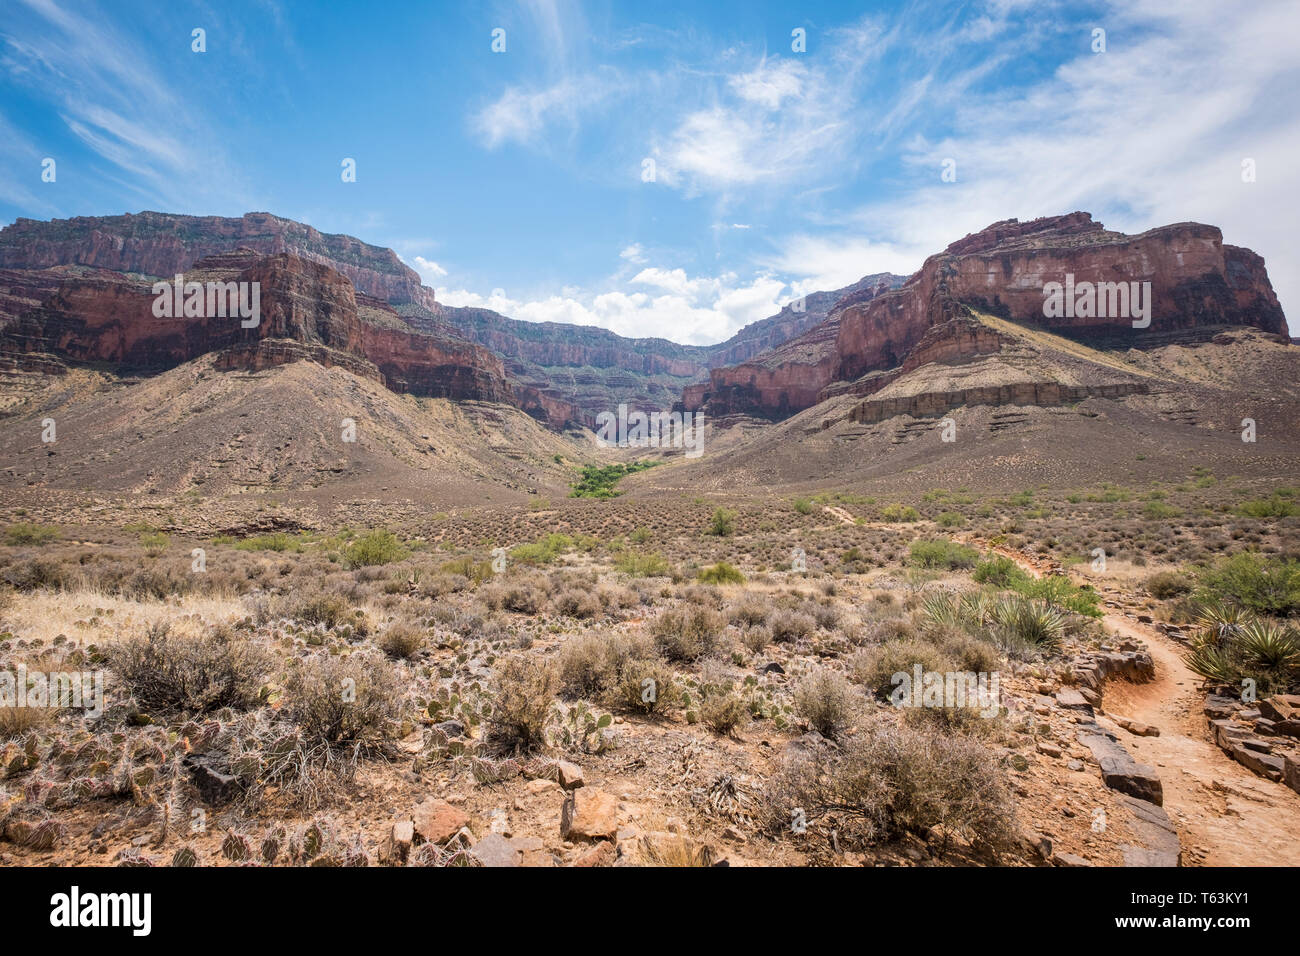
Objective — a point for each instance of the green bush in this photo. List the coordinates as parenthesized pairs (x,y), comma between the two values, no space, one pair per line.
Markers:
(722,524)
(24,532)
(650,565)
(544,551)
(276,541)
(999,571)
(904,513)
(942,553)
(374,548)
(1274,507)
(721,573)
(1265,585)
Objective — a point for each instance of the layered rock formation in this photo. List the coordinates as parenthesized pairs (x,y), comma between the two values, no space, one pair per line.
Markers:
(590,370)
(562,374)
(1196,283)
(163,244)
(307,311)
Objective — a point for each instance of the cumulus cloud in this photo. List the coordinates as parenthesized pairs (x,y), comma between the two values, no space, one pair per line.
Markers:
(696,310)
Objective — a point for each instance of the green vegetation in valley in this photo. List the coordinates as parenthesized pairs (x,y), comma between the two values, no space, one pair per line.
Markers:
(598,481)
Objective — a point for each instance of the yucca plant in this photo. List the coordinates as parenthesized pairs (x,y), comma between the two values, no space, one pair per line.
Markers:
(1213,663)
(1272,648)
(1030,622)
(943,609)
(1219,623)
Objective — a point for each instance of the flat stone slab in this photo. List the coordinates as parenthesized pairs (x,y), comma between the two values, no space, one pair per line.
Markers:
(1119,770)
(1155,832)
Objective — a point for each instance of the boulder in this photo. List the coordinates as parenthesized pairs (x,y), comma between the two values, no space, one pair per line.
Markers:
(437,821)
(589,814)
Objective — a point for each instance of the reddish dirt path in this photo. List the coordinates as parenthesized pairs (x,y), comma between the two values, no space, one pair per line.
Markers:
(1225,815)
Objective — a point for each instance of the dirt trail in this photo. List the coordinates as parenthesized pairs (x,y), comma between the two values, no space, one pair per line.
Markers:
(1225,815)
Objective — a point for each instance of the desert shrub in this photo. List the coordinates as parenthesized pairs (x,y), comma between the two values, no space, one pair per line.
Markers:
(1274,507)
(904,513)
(826,699)
(277,541)
(523,689)
(1168,584)
(25,532)
(721,573)
(639,565)
(578,602)
(401,639)
(330,610)
(749,610)
(343,701)
(788,626)
(804,506)
(722,524)
(374,548)
(1158,510)
(874,667)
(687,634)
(1061,592)
(646,685)
(826,615)
(36,573)
(156,582)
(942,553)
(468,568)
(998,570)
(1264,584)
(169,672)
(950,519)
(968,652)
(893,779)
(756,637)
(724,711)
(543,551)
(586,665)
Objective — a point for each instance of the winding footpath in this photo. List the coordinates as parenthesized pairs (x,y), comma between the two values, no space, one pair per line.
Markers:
(1225,815)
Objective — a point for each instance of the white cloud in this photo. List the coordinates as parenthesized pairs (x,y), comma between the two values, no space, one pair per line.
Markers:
(633,253)
(769,85)
(698,310)
(1115,134)
(523,114)
(428,269)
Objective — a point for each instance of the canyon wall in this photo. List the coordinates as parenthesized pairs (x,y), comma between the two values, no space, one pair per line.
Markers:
(1197,282)
(307,311)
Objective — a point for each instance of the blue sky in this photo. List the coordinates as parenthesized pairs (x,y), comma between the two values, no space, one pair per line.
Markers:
(515,180)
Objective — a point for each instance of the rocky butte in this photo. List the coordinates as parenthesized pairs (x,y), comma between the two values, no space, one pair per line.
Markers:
(308,310)
(1198,284)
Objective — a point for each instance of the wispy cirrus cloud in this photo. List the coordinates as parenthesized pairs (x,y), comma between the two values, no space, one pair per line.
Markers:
(100,83)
